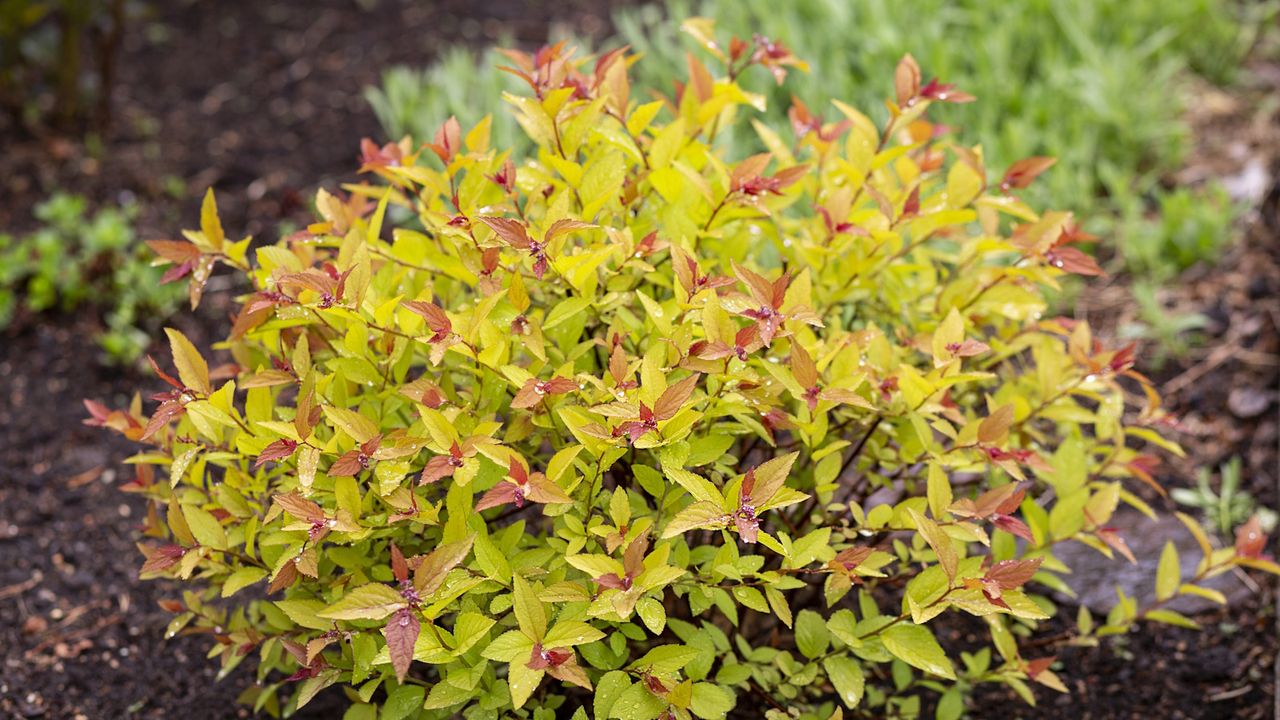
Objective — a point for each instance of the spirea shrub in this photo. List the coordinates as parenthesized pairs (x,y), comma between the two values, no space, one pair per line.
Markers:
(632,430)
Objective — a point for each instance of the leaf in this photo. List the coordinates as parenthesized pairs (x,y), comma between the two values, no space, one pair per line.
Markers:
(653,614)
(512,232)
(1168,573)
(566,309)
(666,659)
(778,604)
(192,369)
(770,477)
(431,572)
(711,702)
(205,527)
(530,614)
(674,397)
(402,703)
(401,634)
(697,516)
(1011,574)
(356,426)
(178,470)
(906,80)
(277,450)
(241,579)
(522,681)
(373,601)
(916,646)
(508,647)
(304,613)
(938,490)
(846,675)
(811,634)
(491,560)
(1021,173)
(568,633)
(1193,526)
(995,427)
(210,225)
(609,688)
(564,226)
(939,541)
(699,487)
(1171,617)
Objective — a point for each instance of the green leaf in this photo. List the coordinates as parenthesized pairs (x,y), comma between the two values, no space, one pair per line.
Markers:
(697,516)
(939,490)
(403,702)
(916,646)
(178,470)
(811,634)
(530,614)
(652,613)
(241,579)
(305,613)
(523,680)
(778,603)
(637,703)
(470,629)
(1168,572)
(711,701)
(699,487)
(510,646)
(205,527)
(373,601)
(568,633)
(444,695)
(665,659)
(950,705)
(939,541)
(846,675)
(356,426)
(1171,617)
(608,689)
(493,563)
(750,597)
(565,310)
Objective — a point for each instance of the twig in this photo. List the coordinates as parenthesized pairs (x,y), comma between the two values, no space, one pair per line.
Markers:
(1220,354)
(19,588)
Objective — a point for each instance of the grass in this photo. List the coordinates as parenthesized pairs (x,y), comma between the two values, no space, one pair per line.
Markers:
(1096,83)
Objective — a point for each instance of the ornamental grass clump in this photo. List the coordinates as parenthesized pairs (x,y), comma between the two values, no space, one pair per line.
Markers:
(629,429)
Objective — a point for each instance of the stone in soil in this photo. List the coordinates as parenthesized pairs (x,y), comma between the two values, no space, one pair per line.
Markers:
(1096,577)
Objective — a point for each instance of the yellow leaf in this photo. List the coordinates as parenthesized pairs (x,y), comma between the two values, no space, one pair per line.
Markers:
(356,426)
(210,225)
(192,369)
(1168,573)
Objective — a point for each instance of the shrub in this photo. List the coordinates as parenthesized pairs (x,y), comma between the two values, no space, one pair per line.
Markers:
(631,430)
(74,259)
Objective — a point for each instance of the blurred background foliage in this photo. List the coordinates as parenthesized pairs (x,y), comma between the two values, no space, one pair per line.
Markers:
(78,258)
(1100,85)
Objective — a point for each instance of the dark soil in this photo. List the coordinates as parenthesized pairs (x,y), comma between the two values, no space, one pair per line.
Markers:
(263,101)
